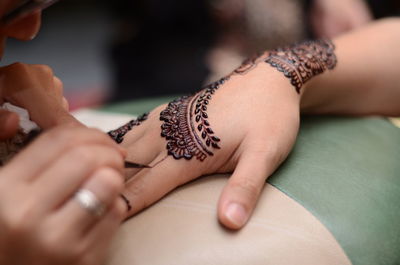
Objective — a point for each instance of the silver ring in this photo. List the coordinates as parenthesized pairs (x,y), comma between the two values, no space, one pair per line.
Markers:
(90,202)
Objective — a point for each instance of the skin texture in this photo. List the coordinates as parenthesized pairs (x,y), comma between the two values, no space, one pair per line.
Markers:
(303,61)
(185,120)
(186,125)
(118,134)
(360,85)
(40,199)
(245,148)
(256,116)
(40,221)
(330,18)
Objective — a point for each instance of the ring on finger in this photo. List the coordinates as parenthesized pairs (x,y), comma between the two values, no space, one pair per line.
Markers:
(89,201)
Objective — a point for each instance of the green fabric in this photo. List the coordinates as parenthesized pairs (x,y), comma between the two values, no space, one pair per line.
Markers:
(137,107)
(346,171)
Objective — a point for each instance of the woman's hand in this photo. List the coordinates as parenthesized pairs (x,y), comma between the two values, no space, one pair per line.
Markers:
(35,88)
(41,222)
(248,126)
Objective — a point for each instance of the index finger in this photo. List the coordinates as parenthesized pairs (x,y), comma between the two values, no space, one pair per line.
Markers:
(49,146)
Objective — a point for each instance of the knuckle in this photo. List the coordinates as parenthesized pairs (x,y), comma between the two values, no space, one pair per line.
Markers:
(58,82)
(45,69)
(18,66)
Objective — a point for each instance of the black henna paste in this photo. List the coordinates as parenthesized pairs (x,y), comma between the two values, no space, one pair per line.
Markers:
(302,61)
(127,202)
(118,134)
(186,126)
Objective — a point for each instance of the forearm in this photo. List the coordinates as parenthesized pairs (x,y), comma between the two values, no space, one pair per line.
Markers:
(365,79)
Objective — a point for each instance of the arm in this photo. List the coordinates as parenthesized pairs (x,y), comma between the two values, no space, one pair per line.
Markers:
(254,115)
(365,80)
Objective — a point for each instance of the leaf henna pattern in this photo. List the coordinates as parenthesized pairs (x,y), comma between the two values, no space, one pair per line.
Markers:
(118,134)
(303,61)
(186,127)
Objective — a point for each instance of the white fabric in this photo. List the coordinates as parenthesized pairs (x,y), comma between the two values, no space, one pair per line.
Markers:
(104,121)
(24,122)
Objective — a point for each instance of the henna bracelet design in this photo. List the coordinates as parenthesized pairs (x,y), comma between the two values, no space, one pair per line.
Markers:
(302,61)
(186,127)
(250,63)
(118,134)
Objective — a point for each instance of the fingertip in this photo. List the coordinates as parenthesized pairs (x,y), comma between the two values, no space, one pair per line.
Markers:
(9,124)
(233,216)
(65,104)
(120,208)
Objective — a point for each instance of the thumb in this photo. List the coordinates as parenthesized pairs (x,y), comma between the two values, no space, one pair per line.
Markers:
(9,124)
(239,197)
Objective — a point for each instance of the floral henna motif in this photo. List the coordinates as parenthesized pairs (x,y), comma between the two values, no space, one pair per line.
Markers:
(302,61)
(118,134)
(186,126)
(176,130)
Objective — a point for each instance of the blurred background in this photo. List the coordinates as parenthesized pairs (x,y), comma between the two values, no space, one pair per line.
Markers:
(111,51)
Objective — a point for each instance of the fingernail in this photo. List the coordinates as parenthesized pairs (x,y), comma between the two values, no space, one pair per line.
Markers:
(236,214)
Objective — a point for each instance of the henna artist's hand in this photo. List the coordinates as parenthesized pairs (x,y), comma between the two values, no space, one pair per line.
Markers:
(246,123)
(35,88)
(330,18)
(42,222)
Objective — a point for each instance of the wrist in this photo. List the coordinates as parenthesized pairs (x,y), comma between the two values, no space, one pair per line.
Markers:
(266,80)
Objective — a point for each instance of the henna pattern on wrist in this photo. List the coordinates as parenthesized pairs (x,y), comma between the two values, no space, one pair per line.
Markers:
(302,61)
(186,127)
(118,134)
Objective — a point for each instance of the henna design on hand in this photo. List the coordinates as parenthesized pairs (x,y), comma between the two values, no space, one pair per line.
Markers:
(118,134)
(302,61)
(186,126)
(250,63)
(127,202)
